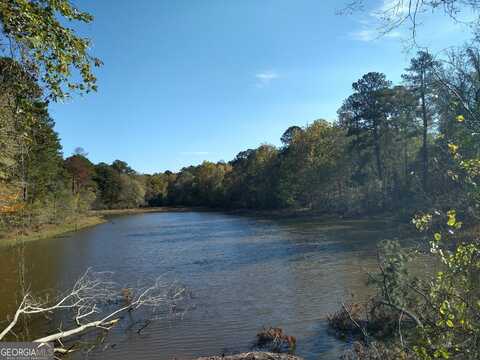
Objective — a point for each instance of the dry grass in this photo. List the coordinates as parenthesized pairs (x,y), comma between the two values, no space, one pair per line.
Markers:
(49,231)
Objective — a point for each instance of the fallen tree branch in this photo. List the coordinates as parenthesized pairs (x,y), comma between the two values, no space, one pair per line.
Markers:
(78,330)
(15,319)
(96,303)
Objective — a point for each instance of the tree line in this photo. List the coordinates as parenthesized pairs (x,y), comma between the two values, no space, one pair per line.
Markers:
(391,149)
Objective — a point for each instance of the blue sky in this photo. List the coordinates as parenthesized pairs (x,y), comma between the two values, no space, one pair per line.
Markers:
(190,80)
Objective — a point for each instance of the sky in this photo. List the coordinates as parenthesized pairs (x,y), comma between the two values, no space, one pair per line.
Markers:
(190,80)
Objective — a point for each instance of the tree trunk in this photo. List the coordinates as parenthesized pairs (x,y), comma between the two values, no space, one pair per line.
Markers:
(376,139)
(425,138)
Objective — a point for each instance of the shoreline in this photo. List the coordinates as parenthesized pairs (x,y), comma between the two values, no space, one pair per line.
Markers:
(93,218)
(97,217)
(50,231)
(146,210)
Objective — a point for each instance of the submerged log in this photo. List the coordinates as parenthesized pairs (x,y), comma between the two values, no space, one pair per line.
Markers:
(256,355)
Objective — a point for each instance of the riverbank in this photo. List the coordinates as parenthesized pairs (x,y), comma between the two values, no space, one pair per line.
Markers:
(49,230)
(96,217)
(93,218)
(306,213)
(116,212)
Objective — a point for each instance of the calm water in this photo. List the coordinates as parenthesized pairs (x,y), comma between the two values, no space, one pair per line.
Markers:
(244,273)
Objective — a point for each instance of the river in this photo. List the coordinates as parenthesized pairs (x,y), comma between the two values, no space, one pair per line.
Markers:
(244,273)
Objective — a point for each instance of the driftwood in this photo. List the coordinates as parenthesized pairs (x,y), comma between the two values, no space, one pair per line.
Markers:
(257,355)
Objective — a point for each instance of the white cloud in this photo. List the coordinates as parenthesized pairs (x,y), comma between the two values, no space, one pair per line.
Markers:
(371,35)
(266,77)
(195,153)
(364,35)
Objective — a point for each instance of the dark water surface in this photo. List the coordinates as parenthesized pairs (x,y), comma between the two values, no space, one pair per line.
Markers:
(244,273)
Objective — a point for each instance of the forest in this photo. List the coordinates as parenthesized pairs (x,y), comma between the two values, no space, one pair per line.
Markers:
(410,149)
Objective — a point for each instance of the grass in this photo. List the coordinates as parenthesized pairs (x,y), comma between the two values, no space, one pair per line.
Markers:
(49,230)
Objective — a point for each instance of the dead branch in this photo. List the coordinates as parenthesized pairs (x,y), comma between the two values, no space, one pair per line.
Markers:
(394,14)
(95,302)
(403,311)
(364,333)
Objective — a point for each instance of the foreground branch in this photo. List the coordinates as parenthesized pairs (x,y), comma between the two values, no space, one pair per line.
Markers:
(96,303)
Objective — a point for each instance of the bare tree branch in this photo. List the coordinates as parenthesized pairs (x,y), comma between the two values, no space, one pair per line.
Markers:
(394,14)
(95,302)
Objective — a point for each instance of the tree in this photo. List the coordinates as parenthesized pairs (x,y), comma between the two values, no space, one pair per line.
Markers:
(209,183)
(458,89)
(80,151)
(156,189)
(181,189)
(420,79)
(122,167)
(109,186)
(364,114)
(253,181)
(313,170)
(20,107)
(42,59)
(290,134)
(34,35)
(132,192)
(44,163)
(30,161)
(81,170)
(405,122)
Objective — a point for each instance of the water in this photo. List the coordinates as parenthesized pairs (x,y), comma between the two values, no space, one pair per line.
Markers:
(244,273)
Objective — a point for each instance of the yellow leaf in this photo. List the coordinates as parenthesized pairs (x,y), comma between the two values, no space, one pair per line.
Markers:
(453,148)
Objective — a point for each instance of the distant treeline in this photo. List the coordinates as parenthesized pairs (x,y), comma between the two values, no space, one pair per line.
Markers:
(391,149)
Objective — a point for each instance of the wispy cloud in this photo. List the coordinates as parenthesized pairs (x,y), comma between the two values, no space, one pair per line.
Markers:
(371,24)
(367,35)
(364,35)
(195,153)
(266,77)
